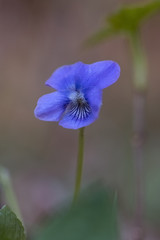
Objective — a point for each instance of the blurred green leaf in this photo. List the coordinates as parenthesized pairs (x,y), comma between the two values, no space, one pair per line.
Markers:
(129,17)
(125,20)
(100,36)
(10,226)
(9,195)
(92,218)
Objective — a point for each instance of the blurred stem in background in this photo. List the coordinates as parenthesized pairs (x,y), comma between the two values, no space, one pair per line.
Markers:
(79,165)
(139,116)
(10,198)
(127,20)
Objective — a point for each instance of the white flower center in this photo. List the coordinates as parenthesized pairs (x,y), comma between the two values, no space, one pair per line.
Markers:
(78,108)
(77,96)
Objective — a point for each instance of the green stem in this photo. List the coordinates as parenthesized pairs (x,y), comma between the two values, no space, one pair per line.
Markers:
(139,63)
(139,124)
(10,198)
(79,165)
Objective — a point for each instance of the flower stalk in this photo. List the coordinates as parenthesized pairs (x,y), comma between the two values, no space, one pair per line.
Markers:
(139,63)
(79,165)
(139,116)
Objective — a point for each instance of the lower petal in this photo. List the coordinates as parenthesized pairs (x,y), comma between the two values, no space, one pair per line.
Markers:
(94,100)
(72,123)
(50,107)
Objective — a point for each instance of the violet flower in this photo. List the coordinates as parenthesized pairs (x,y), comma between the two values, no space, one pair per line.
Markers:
(78,97)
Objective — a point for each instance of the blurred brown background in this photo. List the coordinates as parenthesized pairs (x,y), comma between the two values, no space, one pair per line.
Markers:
(36,37)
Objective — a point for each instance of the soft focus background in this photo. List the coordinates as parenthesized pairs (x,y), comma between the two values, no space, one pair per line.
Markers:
(38,36)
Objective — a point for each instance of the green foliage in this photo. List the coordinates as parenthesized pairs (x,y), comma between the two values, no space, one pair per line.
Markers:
(93,217)
(10,226)
(126,20)
(9,195)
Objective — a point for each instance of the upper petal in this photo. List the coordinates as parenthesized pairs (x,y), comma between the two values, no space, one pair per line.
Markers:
(80,75)
(50,106)
(67,76)
(103,74)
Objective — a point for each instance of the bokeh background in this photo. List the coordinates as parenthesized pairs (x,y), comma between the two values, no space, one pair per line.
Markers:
(38,36)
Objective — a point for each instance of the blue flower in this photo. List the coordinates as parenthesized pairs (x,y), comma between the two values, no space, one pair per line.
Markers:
(78,97)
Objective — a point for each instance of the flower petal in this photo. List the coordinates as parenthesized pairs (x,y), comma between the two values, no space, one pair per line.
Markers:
(71,119)
(103,74)
(50,106)
(79,75)
(66,76)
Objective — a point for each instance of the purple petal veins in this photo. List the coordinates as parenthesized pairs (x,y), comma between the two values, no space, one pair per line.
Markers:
(78,98)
